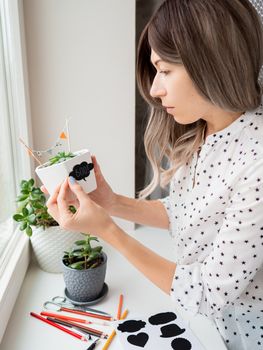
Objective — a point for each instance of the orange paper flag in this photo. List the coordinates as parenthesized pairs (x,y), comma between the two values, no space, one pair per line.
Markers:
(63,136)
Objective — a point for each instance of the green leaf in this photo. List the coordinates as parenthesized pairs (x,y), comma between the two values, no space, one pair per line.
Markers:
(77,265)
(30,210)
(25,211)
(23,226)
(97,249)
(22,198)
(82,242)
(37,205)
(31,182)
(93,239)
(93,255)
(77,253)
(18,217)
(29,231)
(32,219)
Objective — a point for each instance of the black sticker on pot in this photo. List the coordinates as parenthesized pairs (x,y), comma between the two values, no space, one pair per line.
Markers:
(138,340)
(81,171)
(171,330)
(181,343)
(131,326)
(161,318)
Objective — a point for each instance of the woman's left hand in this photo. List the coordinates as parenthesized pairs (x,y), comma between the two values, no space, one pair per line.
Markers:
(89,217)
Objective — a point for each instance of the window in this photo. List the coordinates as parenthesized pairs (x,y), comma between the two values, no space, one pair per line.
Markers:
(14,161)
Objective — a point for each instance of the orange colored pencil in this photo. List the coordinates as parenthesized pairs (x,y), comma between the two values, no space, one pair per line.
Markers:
(119,307)
(68,318)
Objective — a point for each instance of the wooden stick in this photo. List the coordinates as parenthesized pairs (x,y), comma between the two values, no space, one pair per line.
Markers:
(30,151)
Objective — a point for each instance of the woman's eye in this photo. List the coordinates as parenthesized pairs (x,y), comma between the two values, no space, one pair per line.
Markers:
(164,72)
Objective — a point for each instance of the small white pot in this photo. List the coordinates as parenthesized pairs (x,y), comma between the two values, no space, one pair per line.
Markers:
(49,246)
(80,167)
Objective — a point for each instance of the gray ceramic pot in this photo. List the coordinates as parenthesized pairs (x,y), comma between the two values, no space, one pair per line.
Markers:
(85,285)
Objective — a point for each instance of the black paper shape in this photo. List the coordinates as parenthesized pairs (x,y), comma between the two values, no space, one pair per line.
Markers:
(171,330)
(131,326)
(161,318)
(181,343)
(138,340)
(81,171)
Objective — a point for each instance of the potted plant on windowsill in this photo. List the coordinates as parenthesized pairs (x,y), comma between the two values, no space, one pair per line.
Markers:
(48,240)
(84,269)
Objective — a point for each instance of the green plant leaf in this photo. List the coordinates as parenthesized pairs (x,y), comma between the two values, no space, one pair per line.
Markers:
(23,226)
(93,239)
(82,242)
(32,219)
(37,205)
(97,249)
(25,211)
(77,253)
(29,231)
(93,255)
(22,198)
(18,217)
(77,265)
(31,182)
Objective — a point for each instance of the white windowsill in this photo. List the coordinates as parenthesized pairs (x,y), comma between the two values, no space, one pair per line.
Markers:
(12,278)
(140,296)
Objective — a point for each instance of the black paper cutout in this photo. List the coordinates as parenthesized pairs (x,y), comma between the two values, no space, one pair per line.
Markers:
(81,171)
(181,344)
(171,330)
(140,339)
(131,326)
(161,318)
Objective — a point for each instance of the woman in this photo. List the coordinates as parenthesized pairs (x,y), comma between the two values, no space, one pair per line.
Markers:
(198,68)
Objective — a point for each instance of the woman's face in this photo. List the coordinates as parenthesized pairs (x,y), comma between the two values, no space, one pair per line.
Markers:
(176,90)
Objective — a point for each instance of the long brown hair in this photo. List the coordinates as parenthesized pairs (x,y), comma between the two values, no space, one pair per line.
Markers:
(220,44)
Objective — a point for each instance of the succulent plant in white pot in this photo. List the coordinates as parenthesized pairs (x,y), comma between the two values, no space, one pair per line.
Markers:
(77,164)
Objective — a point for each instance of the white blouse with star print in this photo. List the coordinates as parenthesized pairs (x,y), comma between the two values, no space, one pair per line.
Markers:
(217,227)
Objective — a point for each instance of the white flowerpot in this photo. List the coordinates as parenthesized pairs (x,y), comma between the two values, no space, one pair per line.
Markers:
(80,167)
(49,246)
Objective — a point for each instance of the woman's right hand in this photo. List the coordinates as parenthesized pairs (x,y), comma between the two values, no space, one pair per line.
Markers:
(103,195)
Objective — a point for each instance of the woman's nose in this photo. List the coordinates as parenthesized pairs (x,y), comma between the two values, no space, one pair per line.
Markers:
(156,89)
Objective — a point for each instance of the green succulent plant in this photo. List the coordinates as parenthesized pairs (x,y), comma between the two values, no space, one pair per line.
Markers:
(32,209)
(83,256)
(60,157)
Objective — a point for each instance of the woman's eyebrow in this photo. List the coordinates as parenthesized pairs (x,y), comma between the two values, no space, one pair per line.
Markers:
(156,62)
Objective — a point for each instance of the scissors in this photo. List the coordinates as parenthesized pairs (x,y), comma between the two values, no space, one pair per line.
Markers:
(57,302)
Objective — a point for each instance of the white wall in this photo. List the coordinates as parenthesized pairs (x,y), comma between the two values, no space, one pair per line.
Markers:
(81,64)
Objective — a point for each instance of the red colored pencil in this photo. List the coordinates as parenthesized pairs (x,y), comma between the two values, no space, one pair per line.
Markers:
(58,326)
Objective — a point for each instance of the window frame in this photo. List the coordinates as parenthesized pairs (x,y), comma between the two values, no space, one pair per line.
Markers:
(17,252)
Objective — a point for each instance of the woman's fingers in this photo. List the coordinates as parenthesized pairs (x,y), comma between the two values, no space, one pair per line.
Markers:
(77,189)
(63,203)
(44,190)
(53,198)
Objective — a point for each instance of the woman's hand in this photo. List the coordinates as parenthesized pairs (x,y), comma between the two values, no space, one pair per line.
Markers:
(89,217)
(103,195)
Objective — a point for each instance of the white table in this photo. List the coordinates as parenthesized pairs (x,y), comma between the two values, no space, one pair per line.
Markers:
(140,296)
